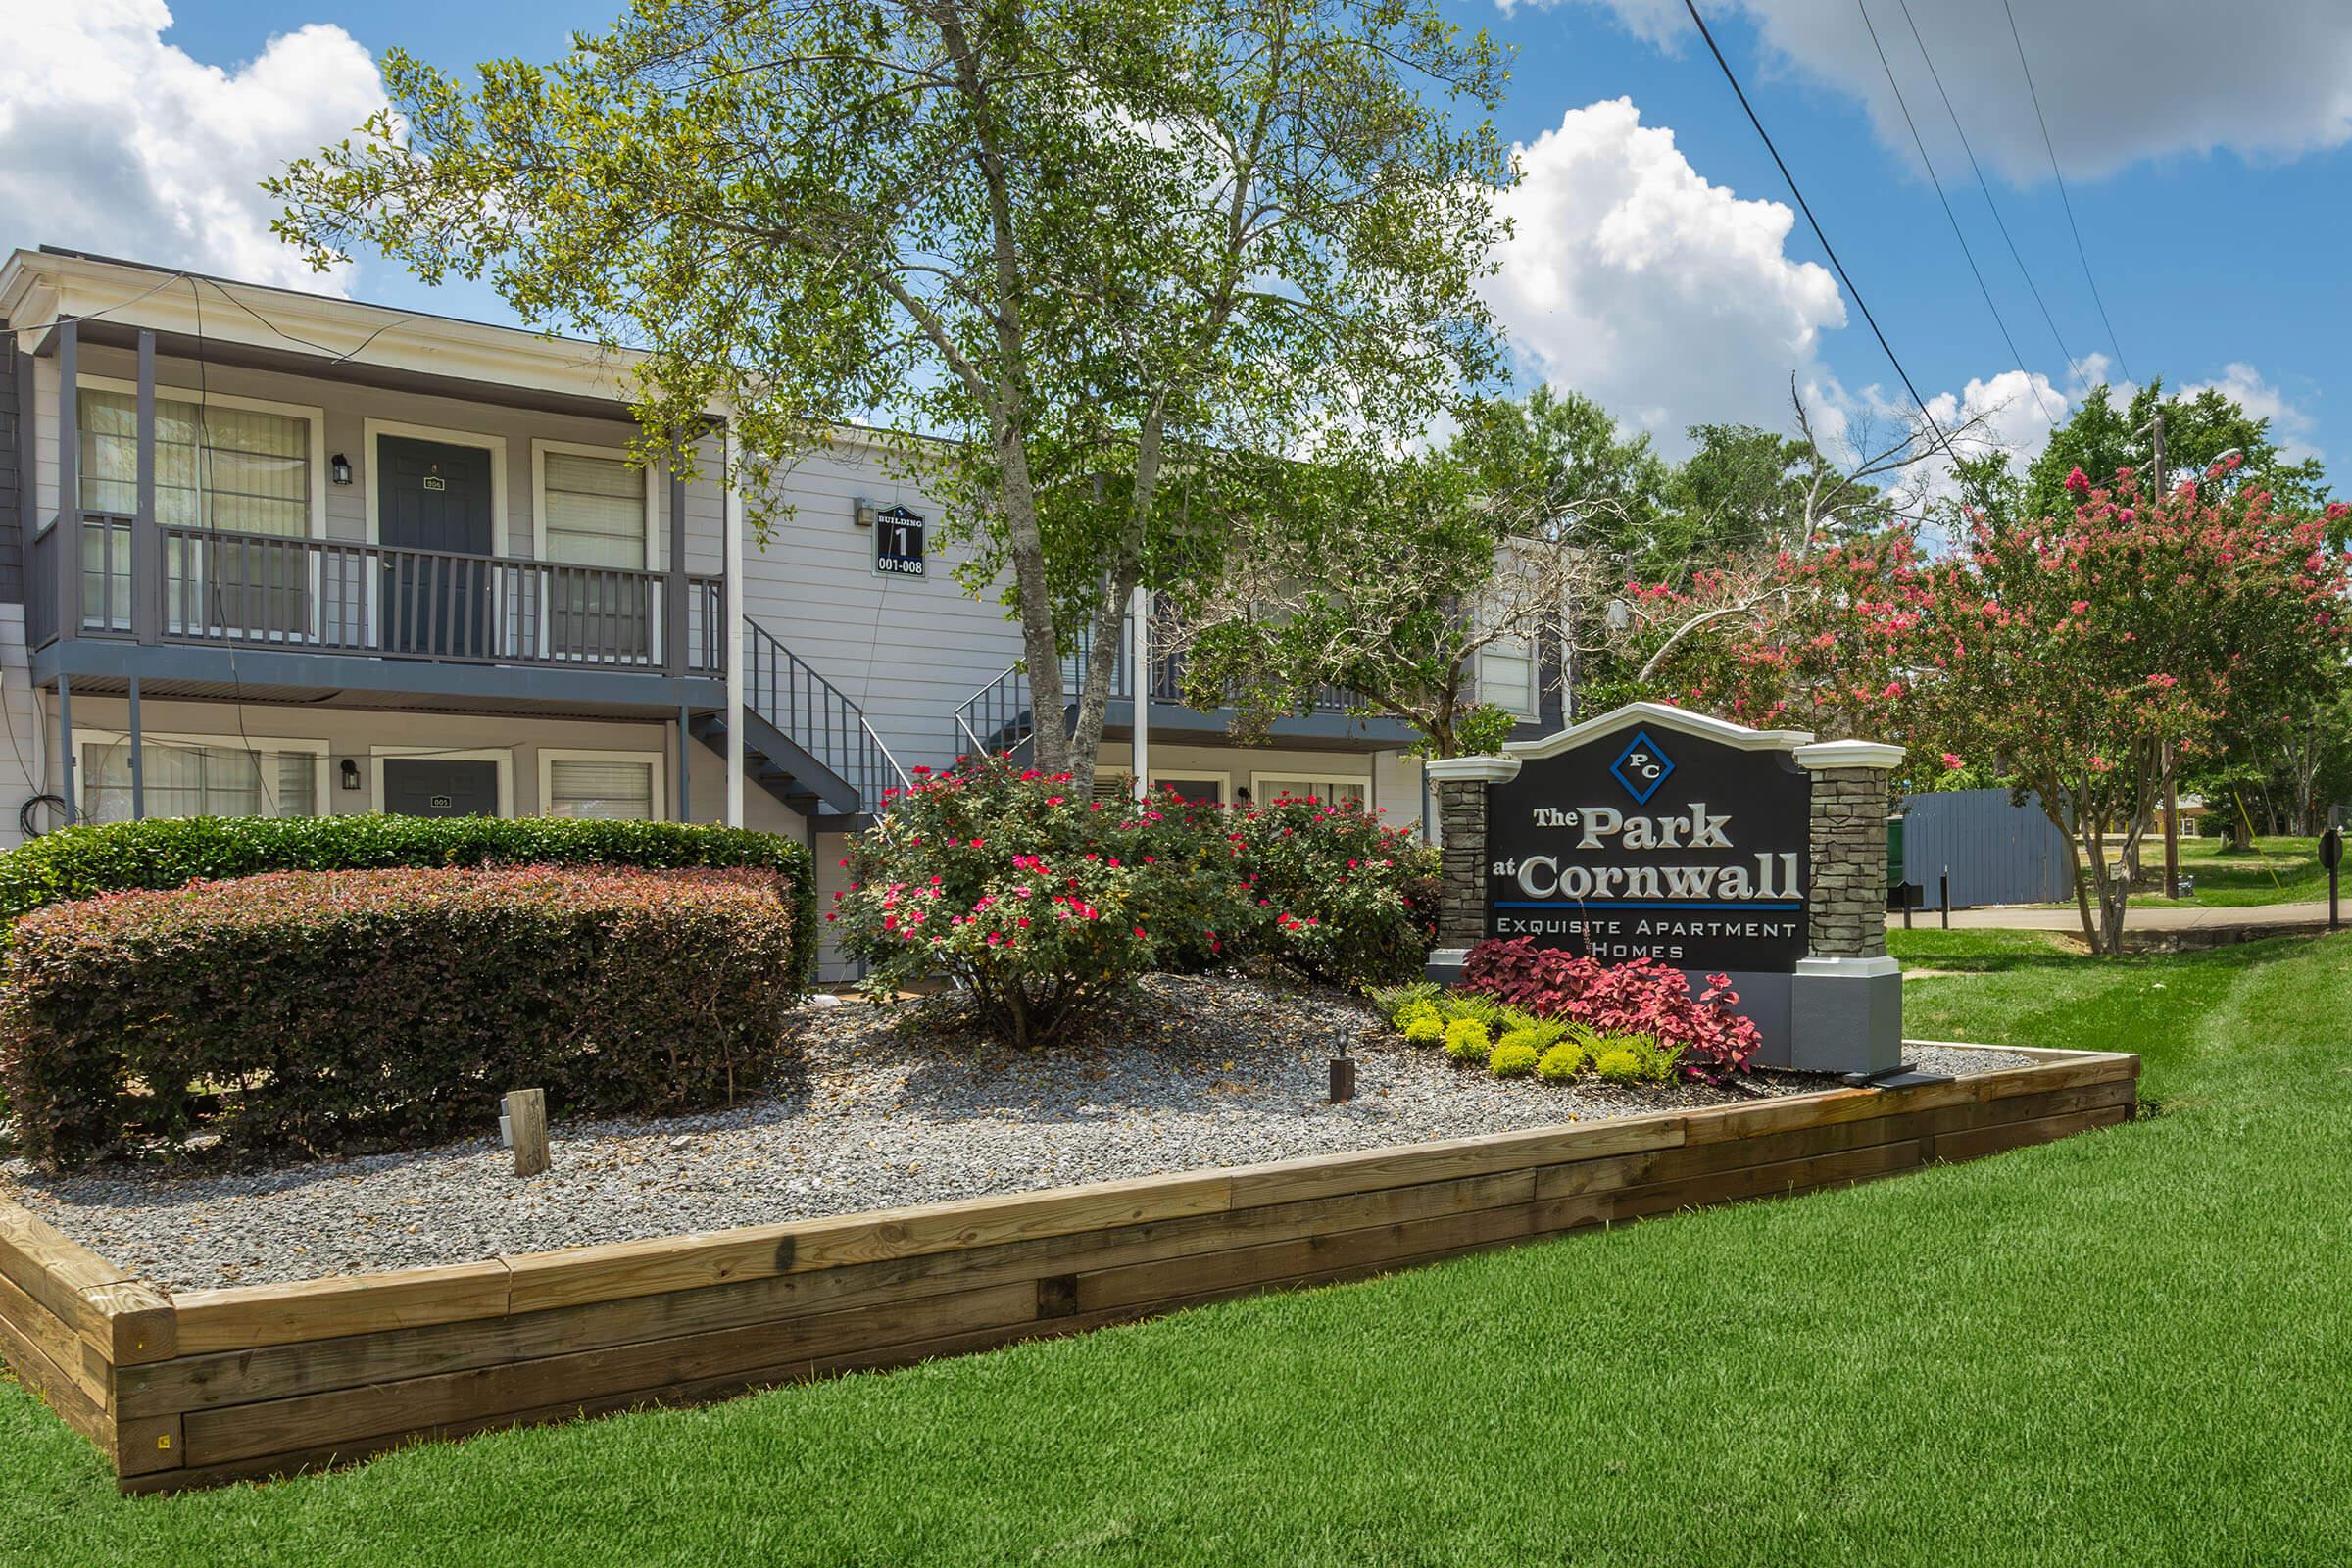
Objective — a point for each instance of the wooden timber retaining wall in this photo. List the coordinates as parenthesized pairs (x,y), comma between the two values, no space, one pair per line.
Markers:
(211,1386)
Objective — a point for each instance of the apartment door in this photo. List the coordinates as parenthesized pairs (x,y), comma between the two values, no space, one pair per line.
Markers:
(433,509)
(440,786)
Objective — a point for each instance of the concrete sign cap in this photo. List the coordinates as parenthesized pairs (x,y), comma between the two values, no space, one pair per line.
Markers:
(1849,754)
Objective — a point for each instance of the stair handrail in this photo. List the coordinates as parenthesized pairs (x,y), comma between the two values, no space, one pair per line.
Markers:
(786,692)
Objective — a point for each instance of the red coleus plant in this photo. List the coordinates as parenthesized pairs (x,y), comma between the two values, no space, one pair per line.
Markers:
(1644,996)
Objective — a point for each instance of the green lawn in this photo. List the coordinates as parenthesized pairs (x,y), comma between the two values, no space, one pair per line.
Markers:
(2276,870)
(2132,1346)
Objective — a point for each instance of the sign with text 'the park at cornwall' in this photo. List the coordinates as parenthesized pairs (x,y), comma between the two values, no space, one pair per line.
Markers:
(1653,833)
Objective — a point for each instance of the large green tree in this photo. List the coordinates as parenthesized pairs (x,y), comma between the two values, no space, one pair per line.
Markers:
(1109,250)
(2103,436)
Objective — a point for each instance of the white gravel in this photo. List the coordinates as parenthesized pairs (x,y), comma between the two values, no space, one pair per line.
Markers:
(897,1108)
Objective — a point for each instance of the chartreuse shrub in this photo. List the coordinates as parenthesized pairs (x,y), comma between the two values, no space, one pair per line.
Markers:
(1395,1004)
(1634,1059)
(1467,1040)
(1423,1027)
(1642,998)
(77,862)
(1043,904)
(311,1013)
(1513,1056)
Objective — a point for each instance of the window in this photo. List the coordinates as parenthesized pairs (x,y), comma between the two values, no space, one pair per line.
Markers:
(594,511)
(238,470)
(191,777)
(1269,788)
(615,786)
(1506,677)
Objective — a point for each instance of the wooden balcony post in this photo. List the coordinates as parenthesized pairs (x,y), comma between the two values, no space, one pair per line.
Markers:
(146,540)
(675,611)
(69,481)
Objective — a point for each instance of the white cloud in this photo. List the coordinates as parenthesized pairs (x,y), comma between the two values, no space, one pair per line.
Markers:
(1630,277)
(115,141)
(2117,83)
(2290,424)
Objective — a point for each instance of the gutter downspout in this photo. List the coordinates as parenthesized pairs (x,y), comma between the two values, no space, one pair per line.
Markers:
(732,594)
(1139,682)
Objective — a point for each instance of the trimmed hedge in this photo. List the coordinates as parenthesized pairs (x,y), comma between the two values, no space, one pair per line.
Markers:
(315,1012)
(77,862)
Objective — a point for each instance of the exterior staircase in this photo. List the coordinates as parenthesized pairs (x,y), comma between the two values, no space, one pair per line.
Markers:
(804,741)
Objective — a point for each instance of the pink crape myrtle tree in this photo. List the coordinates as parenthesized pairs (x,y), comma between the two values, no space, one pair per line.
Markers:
(2092,655)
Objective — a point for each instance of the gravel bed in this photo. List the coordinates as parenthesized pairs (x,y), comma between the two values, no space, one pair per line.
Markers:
(895,1108)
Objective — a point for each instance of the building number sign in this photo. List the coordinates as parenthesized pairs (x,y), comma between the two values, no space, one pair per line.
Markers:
(898,542)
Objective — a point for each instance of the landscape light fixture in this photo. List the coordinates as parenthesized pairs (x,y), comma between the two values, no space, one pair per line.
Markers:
(1343,1073)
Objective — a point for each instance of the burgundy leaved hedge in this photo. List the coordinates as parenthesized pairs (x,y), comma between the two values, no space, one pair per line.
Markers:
(311,1013)
(1640,998)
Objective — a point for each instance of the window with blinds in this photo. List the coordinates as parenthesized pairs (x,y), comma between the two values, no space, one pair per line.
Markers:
(242,470)
(1331,791)
(187,778)
(619,791)
(595,512)
(1506,677)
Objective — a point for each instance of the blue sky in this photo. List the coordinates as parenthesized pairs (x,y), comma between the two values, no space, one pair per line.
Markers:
(2209,169)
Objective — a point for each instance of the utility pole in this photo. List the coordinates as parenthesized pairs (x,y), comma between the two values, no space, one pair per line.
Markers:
(2164,747)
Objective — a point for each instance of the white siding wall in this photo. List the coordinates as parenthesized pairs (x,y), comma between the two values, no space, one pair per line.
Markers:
(907,650)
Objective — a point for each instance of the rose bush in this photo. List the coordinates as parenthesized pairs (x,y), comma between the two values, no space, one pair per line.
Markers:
(1330,894)
(1043,905)
(1040,902)
(1640,998)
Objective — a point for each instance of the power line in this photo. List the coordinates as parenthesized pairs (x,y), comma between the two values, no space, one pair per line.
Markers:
(2015,357)
(2067,201)
(1985,185)
(1827,250)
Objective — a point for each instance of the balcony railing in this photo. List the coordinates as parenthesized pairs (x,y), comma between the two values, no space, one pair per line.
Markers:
(209,586)
(998,718)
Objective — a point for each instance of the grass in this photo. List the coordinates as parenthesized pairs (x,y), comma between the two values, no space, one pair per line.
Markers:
(2276,870)
(2127,1348)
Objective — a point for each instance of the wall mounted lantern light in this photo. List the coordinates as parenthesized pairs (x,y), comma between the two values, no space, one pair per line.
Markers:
(339,467)
(351,774)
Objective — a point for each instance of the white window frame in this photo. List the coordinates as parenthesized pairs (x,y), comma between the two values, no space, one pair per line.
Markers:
(1526,652)
(321,800)
(503,756)
(371,431)
(540,449)
(1311,779)
(228,399)
(550,756)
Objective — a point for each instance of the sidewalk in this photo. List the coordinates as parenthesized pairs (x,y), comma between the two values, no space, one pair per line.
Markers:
(2062,917)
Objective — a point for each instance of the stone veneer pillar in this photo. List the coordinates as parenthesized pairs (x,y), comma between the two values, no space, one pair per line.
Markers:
(1461,785)
(1846,997)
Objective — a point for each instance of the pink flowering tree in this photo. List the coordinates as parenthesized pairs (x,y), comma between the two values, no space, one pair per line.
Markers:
(2096,654)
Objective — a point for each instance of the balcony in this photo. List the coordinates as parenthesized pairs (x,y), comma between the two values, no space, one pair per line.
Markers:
(205,588)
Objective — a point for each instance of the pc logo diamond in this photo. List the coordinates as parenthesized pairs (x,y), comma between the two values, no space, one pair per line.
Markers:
(1642,768)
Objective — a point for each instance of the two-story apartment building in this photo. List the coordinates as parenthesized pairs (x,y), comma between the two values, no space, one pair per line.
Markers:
(274,552)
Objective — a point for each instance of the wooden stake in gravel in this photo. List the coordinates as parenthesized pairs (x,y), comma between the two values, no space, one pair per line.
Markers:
(526,1125)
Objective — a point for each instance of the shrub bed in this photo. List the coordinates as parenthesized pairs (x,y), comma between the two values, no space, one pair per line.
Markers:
(77,862)
(319,1012)
(1043,904)
(1522,1009)
(1638,1004)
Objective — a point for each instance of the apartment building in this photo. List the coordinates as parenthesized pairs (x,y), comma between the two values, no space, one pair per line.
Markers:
(264,551)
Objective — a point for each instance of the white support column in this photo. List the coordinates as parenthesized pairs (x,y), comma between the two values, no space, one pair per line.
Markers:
(1139,682)
(732,593)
